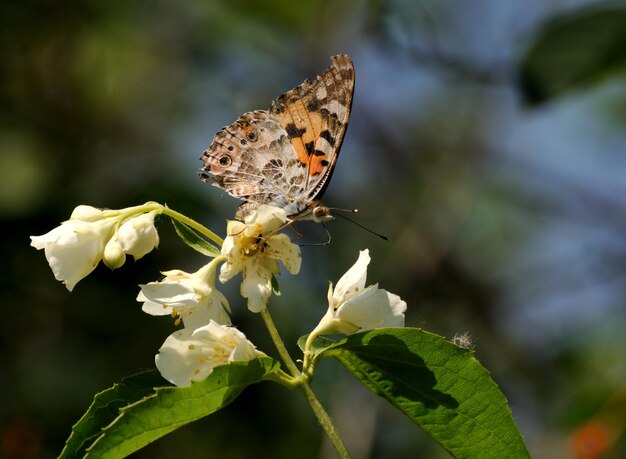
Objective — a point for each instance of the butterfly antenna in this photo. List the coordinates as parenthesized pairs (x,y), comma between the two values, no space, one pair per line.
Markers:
(354,211)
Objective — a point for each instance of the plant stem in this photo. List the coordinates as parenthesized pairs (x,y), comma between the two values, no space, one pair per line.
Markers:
(278,342)
(193,224)
(306,363)
(319,411)
(325,421)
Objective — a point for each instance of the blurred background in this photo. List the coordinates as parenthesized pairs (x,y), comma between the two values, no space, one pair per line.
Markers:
(487,141)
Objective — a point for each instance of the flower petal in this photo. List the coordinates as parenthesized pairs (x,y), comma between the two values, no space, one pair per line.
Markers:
(152,308)
(269,217)
(353,281)
(256,287)
(182,359)
(190,297)
(188,355)
(229,344)
(280,247)
(170,293)
(229,270)
(213,308)
(373,308)
(73,250)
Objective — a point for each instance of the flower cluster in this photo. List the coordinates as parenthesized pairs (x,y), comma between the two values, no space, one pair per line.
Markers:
(75,248)
(253,248)
(207,339)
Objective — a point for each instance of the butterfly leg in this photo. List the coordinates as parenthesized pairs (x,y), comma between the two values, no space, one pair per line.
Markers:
(320,244)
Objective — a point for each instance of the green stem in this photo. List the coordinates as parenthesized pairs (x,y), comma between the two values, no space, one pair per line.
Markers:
(278,342)
(193,224)
(284,379)
(319,411)
(163,209)
(307,365)
(325,421)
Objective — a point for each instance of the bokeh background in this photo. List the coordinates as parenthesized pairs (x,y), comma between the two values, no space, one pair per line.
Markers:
(487,141)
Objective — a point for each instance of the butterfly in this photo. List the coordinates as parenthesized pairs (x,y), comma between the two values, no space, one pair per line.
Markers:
(285,156)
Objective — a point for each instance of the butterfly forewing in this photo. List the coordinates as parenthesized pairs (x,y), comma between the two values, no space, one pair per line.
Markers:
(315,116)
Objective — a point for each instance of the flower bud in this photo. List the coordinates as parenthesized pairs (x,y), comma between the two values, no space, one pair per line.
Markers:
(85,213)
(138,235)
(114,256)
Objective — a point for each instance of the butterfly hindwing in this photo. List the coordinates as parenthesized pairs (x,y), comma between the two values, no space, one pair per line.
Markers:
(248,160)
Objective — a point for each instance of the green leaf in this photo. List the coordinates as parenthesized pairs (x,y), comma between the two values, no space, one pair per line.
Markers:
(105,409)
(275,286)
(438,385)
(194,240)
(574,50)
(320,344)
(133,422)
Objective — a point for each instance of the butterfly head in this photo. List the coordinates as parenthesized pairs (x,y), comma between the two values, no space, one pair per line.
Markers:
(320,213)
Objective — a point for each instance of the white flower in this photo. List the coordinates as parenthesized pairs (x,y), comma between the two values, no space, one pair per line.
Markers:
(75,248)
(191,297)
(253,249)
(138,236)
(354,307)
(190,355)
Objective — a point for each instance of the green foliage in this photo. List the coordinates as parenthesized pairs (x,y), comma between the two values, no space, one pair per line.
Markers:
(194,240)
(438,385)
(106,407)
(574,50)
(142,409)
(319,345)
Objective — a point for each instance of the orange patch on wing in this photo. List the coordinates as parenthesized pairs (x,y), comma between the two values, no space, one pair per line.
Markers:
(297,144)
(316,166)
(314,163)
(313,124)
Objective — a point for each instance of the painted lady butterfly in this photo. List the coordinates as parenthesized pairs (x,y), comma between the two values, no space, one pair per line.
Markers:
(285,156)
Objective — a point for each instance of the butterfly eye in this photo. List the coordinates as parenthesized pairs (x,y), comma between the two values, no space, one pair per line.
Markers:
(322,214)
(252,136)
(225,161)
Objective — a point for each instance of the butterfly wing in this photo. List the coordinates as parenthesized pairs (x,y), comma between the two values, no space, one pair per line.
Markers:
(252,160)
(285,157)
(315,116)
